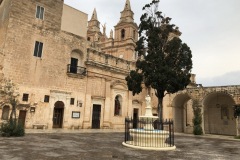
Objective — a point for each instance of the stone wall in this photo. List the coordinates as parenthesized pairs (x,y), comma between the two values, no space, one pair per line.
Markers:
(74,21)
(4,18)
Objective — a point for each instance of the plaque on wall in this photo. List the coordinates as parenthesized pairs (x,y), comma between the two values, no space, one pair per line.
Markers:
(75,114)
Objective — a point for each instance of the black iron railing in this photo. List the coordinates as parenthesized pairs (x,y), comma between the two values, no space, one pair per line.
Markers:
(76,70)
(160,136)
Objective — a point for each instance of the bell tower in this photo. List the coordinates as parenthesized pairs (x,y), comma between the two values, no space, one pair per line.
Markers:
(93,31)
(126,33)
(126,29)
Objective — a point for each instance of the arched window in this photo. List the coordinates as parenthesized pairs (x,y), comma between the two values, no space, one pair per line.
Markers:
(134,34)
(76,62)
(117,106)
(5,112)
(122,33)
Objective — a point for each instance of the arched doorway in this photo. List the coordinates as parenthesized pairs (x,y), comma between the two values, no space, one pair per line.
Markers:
(182,113)
(58,114)
(5,112)
(218,114)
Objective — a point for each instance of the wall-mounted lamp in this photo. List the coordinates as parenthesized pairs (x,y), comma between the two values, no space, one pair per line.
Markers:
(32,109)
(79,103)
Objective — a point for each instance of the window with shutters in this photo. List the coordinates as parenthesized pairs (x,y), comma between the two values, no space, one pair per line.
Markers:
(38,49)
(40,12)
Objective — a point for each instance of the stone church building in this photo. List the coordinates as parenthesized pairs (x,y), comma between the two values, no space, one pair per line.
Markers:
(71,73)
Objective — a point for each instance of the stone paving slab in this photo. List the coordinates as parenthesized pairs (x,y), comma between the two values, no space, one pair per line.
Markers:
(107,145)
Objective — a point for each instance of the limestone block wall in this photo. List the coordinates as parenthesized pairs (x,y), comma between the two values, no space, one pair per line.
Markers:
(74,21)
(43,113)
(25,12)
(39,76)
(4,14)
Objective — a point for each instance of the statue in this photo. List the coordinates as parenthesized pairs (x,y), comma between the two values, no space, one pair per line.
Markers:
(117,106)
(104,28)
(148,101)
(111,33)
(96,37)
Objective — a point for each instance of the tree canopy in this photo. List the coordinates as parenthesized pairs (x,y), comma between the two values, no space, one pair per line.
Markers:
(164,62)
(9,95)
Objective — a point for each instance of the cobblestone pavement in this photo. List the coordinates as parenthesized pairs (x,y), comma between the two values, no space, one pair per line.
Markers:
(108,145)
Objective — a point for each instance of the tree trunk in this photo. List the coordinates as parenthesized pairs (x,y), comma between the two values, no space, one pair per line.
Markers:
(13,113)
(160,108)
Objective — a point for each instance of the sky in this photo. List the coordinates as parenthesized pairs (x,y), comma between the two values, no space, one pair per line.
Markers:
(211,28)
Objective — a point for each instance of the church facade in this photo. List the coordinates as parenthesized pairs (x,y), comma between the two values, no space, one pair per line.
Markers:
(71,74)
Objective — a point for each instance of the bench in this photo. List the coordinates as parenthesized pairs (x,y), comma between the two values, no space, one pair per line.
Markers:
(73,127)
(36,126)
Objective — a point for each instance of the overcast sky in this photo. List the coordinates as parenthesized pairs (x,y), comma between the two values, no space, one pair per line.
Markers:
(211,28)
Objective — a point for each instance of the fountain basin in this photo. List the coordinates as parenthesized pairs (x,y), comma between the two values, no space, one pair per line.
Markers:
(146,137)
(149,138)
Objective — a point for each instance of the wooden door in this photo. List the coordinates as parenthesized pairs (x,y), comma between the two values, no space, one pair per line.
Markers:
(73,66)
(57,117)
(135,117)
(22,117)
(96,116)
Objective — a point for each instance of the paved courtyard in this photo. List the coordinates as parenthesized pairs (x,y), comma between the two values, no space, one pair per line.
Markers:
(108,145)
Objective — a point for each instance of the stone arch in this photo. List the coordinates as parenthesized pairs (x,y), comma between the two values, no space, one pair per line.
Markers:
(59,104)
(6,112)
(119,85)
(76,62)
(182,113)
(218,114)
(78,54)
(58,114)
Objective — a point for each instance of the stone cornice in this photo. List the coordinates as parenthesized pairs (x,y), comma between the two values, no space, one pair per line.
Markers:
(98,97)
(107,67)
(58,91)
(107,55)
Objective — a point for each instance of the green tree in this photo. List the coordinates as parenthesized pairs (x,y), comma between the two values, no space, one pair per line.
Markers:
(9,95)
(197,119)
(164,62)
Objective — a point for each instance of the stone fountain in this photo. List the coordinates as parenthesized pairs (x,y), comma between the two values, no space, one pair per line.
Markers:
(147,137)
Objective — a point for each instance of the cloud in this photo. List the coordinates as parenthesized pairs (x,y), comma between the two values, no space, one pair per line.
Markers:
(230,78)
(210,28)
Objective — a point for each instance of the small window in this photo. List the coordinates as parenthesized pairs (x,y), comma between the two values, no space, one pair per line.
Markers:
(46,98)
(38,49)
(39,12)
(123,33)
(1,2)
(25,97)
(72,101)
(88,38)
